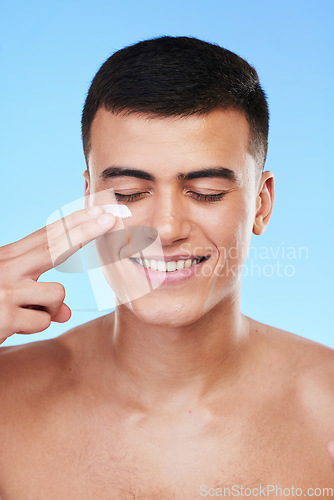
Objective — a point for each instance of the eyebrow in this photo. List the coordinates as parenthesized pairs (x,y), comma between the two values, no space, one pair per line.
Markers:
(221,172)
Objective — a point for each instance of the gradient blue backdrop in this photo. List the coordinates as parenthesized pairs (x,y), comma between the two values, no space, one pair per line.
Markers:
(51,51)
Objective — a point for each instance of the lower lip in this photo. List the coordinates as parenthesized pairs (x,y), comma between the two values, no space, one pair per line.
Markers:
(170,277)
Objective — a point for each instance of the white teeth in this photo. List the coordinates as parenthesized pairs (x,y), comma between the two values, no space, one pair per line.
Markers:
(154,265)
(180,264)
(162,265)
(171,266)
(167,266)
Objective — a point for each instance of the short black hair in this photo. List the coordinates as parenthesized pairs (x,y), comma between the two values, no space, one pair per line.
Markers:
(179,76)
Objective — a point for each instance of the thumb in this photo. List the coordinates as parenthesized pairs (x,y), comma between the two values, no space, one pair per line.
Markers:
(330,448)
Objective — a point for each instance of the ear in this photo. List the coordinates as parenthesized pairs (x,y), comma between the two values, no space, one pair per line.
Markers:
(264,202)
(87,188)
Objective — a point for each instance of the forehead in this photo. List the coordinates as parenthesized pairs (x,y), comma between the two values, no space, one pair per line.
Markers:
(220,137)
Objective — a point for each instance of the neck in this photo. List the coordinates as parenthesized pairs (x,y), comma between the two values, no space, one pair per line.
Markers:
(160,363)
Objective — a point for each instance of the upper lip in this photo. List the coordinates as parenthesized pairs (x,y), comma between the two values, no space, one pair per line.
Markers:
(171,257)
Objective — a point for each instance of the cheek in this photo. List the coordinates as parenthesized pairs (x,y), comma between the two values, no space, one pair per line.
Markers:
(231,233)
(231,224)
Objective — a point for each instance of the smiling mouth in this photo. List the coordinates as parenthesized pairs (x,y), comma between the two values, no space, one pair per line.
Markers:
(170,266)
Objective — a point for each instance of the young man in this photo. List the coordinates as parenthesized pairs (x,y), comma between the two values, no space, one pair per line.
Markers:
(176,394)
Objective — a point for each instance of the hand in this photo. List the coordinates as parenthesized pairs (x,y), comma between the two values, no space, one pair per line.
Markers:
(25,305)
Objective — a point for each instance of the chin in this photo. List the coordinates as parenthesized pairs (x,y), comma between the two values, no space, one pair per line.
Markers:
(173,314)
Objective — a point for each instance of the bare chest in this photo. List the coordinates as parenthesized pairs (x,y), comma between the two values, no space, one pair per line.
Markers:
(80,458)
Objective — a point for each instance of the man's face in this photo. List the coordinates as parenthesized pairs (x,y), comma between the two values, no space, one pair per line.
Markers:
(191,216)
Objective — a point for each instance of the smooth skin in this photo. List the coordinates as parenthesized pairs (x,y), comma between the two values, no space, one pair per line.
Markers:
(176,389)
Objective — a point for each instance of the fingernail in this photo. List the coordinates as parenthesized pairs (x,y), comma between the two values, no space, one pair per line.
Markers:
(104,219)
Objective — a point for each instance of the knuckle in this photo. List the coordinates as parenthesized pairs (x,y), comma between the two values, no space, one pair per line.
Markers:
(47,246)
(85,232)
(58,250)
(49,238)
(72,219)
(59,291)
(51,230)
(57,230)
(6,319)
(49,251)
(5,294)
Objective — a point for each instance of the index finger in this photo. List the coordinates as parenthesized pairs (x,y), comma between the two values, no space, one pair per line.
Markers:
(62,239)
(38,237)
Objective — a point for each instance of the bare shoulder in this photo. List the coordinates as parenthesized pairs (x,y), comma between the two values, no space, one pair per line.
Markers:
(32,369)
(300,352)
(304,356)
(305,371)
(33,363)
(295,378)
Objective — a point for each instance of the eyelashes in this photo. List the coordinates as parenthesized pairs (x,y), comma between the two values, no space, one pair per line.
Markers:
(208,197)
(128,198)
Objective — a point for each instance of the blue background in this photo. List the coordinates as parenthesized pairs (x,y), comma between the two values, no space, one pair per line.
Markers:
(51,51)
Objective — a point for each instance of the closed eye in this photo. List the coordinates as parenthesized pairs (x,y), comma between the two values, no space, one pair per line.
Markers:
(128,198)
(207,197)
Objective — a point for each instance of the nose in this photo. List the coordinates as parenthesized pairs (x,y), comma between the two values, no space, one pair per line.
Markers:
(170,218)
